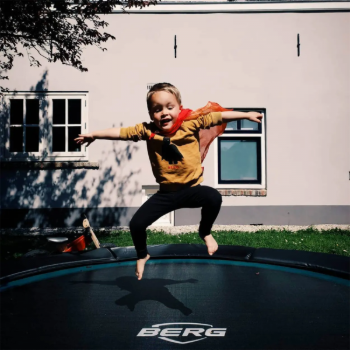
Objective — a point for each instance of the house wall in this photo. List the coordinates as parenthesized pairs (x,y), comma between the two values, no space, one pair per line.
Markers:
(246,60)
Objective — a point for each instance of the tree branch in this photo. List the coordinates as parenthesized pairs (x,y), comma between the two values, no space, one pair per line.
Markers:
(37,24)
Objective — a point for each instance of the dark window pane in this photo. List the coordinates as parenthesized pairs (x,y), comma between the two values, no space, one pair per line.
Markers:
(74,111)
(58,108)
(16,139)
(32,139)
(73,132)
(232,125)
(239,159)
(58,139)
(16,112)
(32,114)
(249,125)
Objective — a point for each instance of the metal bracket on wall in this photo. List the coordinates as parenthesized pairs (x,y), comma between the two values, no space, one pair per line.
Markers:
(298,46)
(175,46)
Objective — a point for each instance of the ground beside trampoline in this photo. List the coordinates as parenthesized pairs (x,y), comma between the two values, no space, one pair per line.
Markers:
(330,239)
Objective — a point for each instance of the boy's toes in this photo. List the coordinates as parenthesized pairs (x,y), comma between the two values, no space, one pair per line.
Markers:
(211,244)
(139,272)
(212,249)
(140,267)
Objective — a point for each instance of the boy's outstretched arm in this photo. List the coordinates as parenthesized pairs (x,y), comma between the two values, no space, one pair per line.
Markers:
(107,134)
(229,116)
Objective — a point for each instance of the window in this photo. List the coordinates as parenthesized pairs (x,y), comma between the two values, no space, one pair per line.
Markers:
(43,126)
(166,220)
(240,154)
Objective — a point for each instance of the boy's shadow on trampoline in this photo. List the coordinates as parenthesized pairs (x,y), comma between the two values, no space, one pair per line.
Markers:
(150,289)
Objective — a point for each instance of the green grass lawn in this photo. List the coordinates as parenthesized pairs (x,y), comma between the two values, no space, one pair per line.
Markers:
(334,241)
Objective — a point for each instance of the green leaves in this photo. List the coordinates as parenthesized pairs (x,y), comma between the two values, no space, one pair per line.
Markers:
(54,30)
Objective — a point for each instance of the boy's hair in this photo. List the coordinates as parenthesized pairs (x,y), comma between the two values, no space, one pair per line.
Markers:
(163,87)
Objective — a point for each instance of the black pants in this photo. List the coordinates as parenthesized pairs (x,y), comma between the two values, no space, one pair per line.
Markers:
(162,203)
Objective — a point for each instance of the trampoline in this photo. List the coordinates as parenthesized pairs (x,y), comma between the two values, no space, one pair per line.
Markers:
(240,298)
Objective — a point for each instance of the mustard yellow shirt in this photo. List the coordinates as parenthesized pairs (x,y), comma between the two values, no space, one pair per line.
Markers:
(188,171)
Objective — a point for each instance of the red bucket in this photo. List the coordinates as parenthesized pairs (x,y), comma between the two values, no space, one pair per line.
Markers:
(77,245)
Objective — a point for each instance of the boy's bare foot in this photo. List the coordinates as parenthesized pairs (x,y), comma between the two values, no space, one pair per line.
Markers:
(140,266)
(211,244)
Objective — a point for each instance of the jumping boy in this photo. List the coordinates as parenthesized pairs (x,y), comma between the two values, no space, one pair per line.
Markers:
(174,152)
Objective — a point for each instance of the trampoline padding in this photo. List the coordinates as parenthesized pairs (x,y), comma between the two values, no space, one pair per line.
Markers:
(187,250)
(72,259)
(335,265)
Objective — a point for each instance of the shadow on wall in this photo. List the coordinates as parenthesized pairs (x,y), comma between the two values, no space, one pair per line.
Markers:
(58,197)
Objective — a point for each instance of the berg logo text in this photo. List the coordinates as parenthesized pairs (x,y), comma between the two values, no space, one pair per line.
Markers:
(188,333)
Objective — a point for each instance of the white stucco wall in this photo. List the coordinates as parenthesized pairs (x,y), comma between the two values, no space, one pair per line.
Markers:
(237,60)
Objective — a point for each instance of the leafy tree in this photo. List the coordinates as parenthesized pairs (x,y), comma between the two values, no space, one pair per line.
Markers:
(54,30)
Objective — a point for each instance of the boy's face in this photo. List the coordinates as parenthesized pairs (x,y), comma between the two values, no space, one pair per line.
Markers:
(164,109)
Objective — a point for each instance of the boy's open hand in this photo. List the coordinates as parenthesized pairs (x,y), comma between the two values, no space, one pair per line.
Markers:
(254,117)
(84,138)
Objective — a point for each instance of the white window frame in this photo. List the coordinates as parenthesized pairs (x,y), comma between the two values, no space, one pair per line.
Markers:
(44,153)
(263,158)
(167,219)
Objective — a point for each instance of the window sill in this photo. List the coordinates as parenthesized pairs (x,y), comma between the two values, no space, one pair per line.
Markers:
(47,165)
(243,192)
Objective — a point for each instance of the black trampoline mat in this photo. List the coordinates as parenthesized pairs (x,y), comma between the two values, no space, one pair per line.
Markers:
(209,305)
